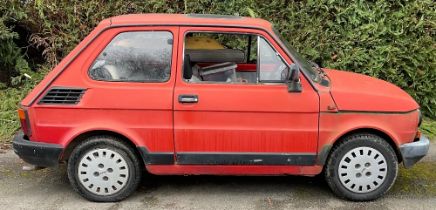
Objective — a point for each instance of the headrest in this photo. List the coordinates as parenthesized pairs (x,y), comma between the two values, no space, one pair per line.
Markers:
(187,67)
(215,55)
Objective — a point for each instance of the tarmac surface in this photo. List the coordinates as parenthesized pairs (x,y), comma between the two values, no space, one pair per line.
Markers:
(49,189)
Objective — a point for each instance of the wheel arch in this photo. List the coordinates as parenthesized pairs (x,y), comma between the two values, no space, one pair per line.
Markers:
(90,133)
(326,150)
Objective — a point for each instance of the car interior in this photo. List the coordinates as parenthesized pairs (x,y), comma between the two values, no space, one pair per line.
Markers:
(213,57)
(208,58)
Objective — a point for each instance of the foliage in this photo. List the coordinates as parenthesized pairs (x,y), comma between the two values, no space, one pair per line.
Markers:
(12,61)
(429,128)
(393,40)
(9,99)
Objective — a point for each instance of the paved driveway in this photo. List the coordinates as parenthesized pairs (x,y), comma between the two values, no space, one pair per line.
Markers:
(49,189)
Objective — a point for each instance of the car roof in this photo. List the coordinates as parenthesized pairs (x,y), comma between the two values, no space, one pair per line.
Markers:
(190,20)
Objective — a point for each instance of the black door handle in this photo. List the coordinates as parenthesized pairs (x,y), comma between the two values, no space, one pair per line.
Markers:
(188,99)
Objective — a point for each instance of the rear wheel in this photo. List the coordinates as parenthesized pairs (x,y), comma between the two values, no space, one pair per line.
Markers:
(104,169)
(362,167)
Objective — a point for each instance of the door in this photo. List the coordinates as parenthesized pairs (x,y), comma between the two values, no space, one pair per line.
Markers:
(130,77)
(234,122)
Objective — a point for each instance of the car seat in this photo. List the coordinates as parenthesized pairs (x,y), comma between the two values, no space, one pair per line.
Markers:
(190,73)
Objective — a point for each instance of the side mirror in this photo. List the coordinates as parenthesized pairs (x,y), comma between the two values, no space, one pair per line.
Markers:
(294,83)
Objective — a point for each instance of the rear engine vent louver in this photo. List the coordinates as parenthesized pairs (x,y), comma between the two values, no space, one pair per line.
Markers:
(62,96)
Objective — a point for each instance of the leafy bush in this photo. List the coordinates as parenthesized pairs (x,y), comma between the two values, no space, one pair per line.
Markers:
(393,40)
(12,61)
(9,99)
(429,128)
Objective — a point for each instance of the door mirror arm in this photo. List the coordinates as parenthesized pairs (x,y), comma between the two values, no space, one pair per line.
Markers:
(293,80)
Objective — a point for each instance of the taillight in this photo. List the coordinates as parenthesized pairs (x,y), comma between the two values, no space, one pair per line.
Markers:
(24,120)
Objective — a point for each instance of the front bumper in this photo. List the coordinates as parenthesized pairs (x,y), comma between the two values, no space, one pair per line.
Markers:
(37,153)
(413,152)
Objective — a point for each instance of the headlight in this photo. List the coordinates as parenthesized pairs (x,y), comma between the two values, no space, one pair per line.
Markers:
(419,117)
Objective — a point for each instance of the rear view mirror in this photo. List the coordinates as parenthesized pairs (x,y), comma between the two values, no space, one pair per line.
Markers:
(294,83)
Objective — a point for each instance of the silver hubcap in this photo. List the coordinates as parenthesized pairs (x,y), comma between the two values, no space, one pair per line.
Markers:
(362,170)
(103,172)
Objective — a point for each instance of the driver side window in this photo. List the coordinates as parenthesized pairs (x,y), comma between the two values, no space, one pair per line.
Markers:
(272,68)
(231,58)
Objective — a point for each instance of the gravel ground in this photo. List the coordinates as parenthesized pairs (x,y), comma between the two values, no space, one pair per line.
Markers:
(49,189)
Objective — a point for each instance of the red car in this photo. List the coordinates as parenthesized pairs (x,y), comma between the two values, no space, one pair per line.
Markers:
(209,94)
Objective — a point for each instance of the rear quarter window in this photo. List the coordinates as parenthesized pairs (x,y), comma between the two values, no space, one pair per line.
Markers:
(135,57)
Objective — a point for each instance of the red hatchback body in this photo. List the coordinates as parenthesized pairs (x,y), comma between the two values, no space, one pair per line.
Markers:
(209,94)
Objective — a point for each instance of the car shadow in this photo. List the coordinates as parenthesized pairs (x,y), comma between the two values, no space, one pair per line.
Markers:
(237,184)
(300,186)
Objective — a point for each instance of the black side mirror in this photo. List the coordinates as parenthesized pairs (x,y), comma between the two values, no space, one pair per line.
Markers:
(294,83)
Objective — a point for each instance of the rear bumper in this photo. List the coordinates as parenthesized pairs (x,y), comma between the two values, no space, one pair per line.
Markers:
(37,153)
(415,151)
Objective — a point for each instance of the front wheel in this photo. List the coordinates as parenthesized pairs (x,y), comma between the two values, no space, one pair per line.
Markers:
(104,169)
(362,167)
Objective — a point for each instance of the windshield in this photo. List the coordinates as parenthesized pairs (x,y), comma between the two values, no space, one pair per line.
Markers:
(299,60)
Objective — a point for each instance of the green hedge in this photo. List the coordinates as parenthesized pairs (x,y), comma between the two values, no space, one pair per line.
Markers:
(11,58)
(393,40)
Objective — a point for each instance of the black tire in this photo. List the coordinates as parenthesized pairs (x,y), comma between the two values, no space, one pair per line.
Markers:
(133,163)
(359,141)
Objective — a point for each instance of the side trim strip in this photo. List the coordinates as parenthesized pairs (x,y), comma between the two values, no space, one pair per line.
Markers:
(156,158)
(205,158)
(245,159)
(369,112)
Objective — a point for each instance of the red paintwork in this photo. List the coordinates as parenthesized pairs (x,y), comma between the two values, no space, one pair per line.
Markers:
(181,19)
(244,117)
(233,170)
(401,128)
(228,117)
(121,107)
(374,94)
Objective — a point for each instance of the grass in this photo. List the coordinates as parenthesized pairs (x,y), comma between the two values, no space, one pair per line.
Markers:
(9,101)
(8,115)
(418,180)
(428,127)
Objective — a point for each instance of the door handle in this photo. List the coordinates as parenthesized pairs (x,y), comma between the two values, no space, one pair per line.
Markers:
(185,99)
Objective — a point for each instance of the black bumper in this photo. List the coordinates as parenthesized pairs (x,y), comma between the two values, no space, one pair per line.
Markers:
(37,153)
